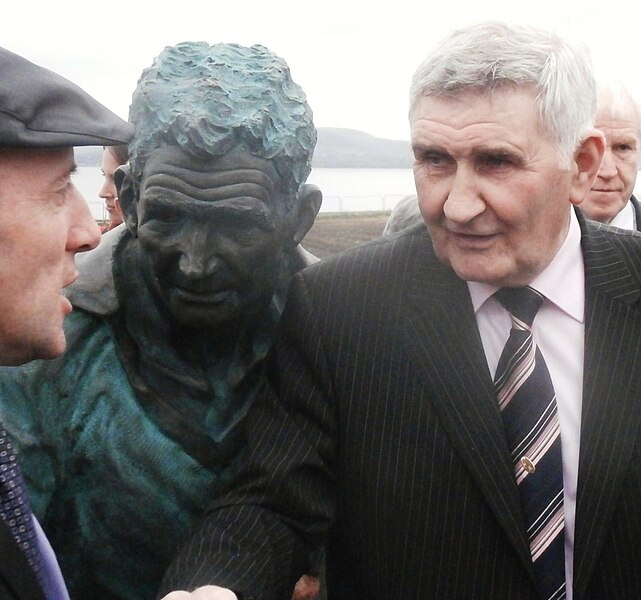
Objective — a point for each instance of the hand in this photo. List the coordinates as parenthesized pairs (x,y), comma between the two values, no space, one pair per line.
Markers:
(208,592)
(307,588)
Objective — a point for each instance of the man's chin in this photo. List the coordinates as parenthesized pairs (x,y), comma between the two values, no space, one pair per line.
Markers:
(38,350)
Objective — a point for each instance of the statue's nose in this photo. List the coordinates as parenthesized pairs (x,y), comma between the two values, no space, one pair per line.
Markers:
(198,257)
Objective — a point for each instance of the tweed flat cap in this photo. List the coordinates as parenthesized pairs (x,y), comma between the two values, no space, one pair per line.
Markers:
(39,108)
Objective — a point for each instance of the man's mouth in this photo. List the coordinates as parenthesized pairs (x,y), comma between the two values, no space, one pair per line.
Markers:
(71,279)
(472,241)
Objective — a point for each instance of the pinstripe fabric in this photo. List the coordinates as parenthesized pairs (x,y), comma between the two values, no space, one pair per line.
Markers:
(528,407)
(382,436)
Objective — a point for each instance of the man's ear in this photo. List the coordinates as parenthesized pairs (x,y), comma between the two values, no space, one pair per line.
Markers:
(587,160)
(128,197)
(308,204)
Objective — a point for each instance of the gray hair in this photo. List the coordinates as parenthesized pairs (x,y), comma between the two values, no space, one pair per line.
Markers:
(491,55)
(614,96)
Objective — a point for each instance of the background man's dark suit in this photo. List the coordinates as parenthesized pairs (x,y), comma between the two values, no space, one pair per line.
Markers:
(391,419)
(636,205)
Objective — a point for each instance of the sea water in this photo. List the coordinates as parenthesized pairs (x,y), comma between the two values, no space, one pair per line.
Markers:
(344,190)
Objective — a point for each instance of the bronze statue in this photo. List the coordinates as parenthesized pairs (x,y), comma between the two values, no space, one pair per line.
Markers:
(172,318)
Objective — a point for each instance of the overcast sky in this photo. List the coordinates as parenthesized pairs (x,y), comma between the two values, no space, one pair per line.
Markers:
(354,59)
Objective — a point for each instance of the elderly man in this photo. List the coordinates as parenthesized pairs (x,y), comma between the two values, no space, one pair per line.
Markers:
(166,348)
(610,200)
(443,442)
(44,222)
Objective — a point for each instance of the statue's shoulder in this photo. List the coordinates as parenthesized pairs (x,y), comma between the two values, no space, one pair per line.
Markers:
(95,290)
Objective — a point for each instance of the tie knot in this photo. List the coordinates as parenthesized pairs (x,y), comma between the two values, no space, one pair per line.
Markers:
(522,303)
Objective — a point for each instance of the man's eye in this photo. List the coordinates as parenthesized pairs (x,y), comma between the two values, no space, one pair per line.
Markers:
(496,161)
(436,160)
(623,148)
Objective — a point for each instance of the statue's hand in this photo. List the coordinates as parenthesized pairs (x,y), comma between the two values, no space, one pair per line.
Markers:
(208,592)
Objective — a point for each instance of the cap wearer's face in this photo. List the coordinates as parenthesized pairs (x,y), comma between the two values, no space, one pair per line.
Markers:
(615,181)
(44,221)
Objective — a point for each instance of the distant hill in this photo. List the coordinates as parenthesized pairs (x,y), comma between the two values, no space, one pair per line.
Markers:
(350,148)
(336,148)
(89,156)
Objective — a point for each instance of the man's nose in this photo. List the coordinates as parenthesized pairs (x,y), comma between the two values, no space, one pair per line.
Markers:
(84,233)
(608,168)
(464,201)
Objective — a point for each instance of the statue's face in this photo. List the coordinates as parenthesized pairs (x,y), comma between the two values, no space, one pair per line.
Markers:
(213,232)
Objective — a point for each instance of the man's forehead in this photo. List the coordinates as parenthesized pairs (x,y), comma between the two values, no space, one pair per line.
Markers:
(59,161)
(619,125)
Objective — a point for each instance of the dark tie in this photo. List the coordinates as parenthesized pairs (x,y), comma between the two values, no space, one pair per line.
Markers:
(528,408)
(15,509)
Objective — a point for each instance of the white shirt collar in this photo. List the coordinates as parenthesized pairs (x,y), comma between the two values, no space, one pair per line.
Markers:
(561,282)
(625,219)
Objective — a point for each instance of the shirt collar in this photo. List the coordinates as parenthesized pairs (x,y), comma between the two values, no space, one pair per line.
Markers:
(562,281)
(625,218)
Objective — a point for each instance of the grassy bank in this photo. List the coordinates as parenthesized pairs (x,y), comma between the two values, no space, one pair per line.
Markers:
(333,232)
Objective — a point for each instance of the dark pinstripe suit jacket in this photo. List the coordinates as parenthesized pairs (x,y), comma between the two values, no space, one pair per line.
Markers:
(17,579)
(384,434)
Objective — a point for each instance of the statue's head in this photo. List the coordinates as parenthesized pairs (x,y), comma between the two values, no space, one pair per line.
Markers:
(215,190)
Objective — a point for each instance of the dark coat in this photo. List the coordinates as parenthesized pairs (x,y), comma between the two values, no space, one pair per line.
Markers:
(384,434)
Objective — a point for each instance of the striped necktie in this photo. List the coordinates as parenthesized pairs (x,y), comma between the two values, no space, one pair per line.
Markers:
(528,409)
(15,509)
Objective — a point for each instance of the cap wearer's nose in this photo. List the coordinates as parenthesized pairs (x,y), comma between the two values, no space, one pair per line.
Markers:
(41,109)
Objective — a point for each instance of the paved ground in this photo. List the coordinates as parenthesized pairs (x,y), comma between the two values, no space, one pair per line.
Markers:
(333,232)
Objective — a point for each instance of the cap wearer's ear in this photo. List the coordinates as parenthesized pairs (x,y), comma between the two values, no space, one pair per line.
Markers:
(128,197)
(41,109)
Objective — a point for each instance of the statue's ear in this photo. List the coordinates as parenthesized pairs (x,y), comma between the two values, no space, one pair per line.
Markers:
(128,197)
(307,206)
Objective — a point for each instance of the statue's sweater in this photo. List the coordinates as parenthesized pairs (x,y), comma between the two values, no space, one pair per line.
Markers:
(115,491)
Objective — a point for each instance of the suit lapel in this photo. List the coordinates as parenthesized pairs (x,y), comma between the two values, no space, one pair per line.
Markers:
(610,411)
(637,211)
(15,570)
(447,353)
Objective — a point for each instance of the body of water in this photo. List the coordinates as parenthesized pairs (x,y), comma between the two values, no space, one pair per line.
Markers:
(349,190)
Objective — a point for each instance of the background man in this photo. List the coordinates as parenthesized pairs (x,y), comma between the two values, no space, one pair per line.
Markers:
(390,431)
(44,222)
(166,348)
(611,200)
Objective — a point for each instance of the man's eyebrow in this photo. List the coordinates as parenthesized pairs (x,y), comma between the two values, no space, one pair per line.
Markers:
(626,138)
(421,148)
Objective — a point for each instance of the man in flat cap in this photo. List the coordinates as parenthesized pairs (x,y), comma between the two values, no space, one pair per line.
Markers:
(44,222)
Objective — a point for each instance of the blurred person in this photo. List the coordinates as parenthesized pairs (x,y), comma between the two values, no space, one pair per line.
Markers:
(112,158)
(611,199)
(405,214)
(44,222)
